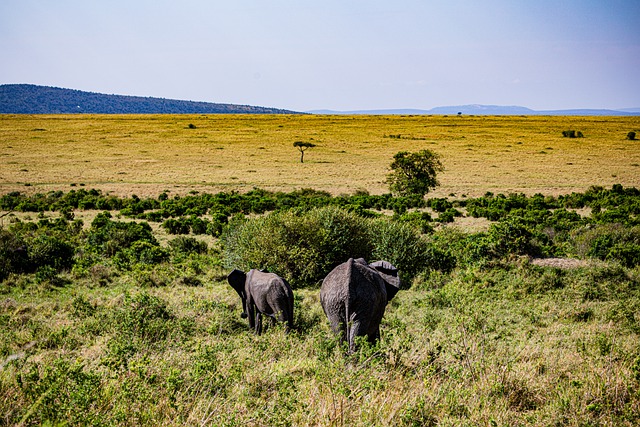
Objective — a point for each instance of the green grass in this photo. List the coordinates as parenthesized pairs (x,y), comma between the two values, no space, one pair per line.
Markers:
(513,344)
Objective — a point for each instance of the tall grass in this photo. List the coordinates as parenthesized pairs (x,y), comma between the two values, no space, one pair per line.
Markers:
(502,344)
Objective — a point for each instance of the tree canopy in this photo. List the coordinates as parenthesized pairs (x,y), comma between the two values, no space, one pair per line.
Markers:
(302,146)
(414,173)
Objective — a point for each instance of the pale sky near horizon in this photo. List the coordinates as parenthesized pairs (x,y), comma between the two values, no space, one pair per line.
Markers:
(332,54)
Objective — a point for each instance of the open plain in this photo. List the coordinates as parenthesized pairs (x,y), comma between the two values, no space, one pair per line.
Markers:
(526,313)
(148,154)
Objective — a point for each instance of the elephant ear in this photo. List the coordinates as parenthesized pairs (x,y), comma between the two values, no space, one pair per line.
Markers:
(237,279)
(389,274)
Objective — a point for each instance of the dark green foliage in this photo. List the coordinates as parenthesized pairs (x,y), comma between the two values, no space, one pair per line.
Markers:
(300,246)
(537,226)
(187,245)
(449,215)
(50,250)
(610,242)
(13,254)
(405,248)
(631,136)
(176,226)
(140,252)
(511,237)
(304,246)
(27,247)
(414,173)
(108,237)
(421,220)
(572,134)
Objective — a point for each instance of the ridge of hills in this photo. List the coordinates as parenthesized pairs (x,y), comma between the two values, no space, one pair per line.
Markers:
(35,99)
(489,110)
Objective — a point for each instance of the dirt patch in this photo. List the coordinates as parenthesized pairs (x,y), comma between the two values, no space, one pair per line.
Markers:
(564,263)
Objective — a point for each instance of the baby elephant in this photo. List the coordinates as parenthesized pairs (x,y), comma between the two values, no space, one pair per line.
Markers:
(263,293)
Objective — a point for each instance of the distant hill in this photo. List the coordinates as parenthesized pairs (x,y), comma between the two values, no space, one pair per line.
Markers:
(490,110)
(33,99)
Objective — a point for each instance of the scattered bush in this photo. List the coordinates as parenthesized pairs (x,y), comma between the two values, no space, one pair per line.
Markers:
(187,245)
(631,136)
(572,134)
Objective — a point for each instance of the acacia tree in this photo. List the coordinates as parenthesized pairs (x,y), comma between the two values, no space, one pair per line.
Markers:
(414,173)
(302,146)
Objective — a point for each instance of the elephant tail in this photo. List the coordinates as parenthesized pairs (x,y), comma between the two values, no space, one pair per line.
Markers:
(351,271)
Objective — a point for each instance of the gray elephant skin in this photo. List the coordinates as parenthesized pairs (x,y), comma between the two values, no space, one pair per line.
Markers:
(354,296)
(263,293)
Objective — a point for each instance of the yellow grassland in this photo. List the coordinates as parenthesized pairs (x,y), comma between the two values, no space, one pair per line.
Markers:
(148,154)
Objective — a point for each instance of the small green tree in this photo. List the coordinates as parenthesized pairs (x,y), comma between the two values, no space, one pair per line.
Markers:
(302,146)
(414,173)
(631,136)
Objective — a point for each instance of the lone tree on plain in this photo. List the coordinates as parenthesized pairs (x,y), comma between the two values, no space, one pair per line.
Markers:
(414,173)
(302,146)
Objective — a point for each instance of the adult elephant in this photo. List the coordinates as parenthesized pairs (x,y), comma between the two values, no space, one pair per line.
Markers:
(354,296)
(263,293)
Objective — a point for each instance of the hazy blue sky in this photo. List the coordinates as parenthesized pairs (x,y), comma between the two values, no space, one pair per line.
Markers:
(335,54)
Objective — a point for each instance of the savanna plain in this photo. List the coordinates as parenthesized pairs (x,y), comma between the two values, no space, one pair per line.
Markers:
(521,271)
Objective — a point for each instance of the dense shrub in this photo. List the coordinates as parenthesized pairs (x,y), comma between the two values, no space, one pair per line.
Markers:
(610,242)
(187,245)
(108,237)
(176,226)
(50,250)
(13,254)
(572,134)
(304,246)
(511,237)
(403,246)
(140,252)
(301,246)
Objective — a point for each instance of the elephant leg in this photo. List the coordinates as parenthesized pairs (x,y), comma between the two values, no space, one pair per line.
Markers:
(338,328)
(373,338)
(252,313)
(258,323)
(355,330)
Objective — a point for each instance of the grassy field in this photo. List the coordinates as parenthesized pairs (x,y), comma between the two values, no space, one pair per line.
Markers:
(495,340)
(148,154)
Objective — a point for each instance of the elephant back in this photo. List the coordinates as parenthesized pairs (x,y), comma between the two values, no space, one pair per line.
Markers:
(351,286)
(366,287)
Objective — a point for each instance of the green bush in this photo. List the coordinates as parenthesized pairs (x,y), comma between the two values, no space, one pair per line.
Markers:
(572,134)
(108,237)
(187,245)
(140,252)
(405,248)
(50,250)
(300,246)
(13,254)
(176,226)
(511,237)
(303,247)
(610,242)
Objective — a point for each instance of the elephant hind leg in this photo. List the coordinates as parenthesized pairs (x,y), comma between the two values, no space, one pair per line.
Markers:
(258,323)
(339,328)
